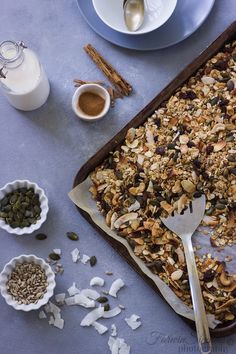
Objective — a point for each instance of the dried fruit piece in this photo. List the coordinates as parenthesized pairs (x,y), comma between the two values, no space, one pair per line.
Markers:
(209,275)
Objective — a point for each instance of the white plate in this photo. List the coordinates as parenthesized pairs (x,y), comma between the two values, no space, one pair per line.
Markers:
(157,12)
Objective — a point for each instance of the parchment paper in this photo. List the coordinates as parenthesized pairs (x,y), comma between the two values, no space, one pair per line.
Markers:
(81,196)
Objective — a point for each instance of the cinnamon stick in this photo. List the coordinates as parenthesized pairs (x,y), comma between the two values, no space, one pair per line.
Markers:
(121,85)
(79,82)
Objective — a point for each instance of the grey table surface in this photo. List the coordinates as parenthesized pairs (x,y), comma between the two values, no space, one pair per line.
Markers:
(49,145)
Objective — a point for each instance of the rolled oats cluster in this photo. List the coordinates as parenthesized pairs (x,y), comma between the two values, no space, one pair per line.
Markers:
(185,149)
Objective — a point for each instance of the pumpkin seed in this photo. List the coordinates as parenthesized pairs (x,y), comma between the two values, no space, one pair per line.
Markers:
(102,299)
(106,307)
(93,261)
(20,208)
(72,236)
(209,211)
(40,236)
(232,158)
(214,101)
(4,201)
(220,206)
(229,138)
(13,199)
(54,256)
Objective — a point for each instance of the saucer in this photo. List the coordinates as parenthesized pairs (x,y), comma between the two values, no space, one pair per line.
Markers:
(188,16)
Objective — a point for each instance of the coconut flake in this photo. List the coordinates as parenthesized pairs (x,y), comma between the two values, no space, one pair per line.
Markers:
(133,207)
(57,251)
(97,281)
(140,159)
(125,218)
(42,315)
(92,316)
(82,300)
(73,290)
(70,301)
(132,145)
(208,80)
(59,323)
(150,137)
(60,298)
(121,307)
(85,259)
(90,293)
(54,309)
(47,308)
(113,330)
(57,316)
(116,286)
(99,327)
(118,346)
(133,322)
(112,313)
(51,320)
(150,187)
(75,255)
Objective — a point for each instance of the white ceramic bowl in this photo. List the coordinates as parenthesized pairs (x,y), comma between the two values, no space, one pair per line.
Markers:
(4,275)
(9,187)
(94,88)
(157,12)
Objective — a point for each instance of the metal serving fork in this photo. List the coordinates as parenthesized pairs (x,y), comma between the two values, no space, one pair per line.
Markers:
(184,226)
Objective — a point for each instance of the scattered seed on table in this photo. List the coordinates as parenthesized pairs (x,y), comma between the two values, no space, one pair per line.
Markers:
(93,261)
(54,256)
(107,307)
(102,299)
(72,236)
(40,236)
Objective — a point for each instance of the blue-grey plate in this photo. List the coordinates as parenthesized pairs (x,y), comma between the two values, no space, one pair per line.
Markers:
(186,19)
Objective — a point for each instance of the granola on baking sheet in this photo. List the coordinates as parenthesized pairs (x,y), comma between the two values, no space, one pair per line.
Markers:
(186,148)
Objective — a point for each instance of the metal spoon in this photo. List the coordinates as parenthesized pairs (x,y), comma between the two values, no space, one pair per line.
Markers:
(133,14)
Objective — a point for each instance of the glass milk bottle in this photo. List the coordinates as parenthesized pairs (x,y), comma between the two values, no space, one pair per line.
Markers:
(22,77)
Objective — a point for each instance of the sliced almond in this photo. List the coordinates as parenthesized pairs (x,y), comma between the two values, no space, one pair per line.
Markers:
(188,186)
(180,255)
(183,139)
(219,146)
(167,207)
(177,274)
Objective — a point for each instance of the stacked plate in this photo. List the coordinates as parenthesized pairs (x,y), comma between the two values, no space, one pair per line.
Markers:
(166,22)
